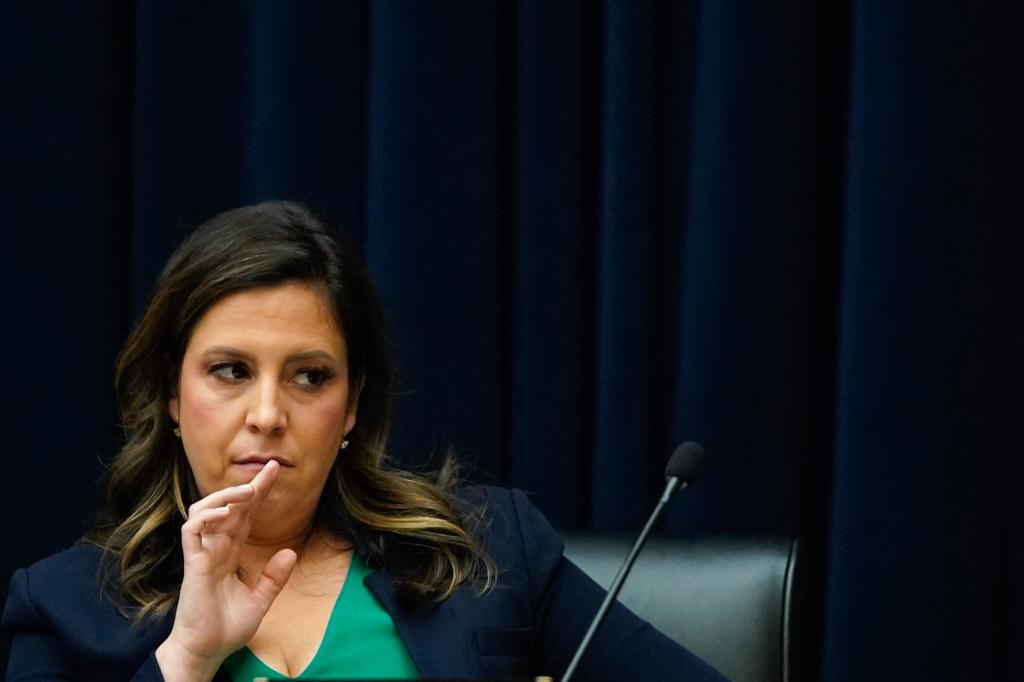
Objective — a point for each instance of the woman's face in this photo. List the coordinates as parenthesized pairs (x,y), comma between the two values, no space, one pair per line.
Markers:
(265,376)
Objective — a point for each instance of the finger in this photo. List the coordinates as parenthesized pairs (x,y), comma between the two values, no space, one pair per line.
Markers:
(238,522)
(241,501)
(275,575)
(264,481)
(234,524)
(192,530)
(266,476)
(221,498)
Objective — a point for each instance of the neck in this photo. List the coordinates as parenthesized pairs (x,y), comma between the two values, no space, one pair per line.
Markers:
(311,543)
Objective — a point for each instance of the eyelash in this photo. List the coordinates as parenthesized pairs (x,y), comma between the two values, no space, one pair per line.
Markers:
(324,373)
(325,376)
(218,367)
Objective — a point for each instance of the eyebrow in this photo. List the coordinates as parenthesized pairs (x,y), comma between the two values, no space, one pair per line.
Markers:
(294,357)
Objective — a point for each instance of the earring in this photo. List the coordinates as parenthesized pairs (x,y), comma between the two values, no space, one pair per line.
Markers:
(177,427)
(344,444)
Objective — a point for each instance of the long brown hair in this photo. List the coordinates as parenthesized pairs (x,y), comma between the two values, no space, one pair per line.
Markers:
(403,521)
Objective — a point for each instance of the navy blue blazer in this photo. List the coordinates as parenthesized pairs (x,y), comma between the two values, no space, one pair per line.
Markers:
(530,624)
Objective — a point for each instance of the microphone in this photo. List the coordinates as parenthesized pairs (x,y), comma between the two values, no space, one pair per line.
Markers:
(681,470)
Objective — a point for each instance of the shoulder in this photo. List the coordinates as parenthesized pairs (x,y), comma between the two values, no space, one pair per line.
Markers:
(64,597)
(512,531)
(80,557)
(495,511)
(54,583)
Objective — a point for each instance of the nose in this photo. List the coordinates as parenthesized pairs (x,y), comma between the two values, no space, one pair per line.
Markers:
(266,414)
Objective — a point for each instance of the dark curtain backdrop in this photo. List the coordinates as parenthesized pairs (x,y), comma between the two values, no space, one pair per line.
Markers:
(790,230)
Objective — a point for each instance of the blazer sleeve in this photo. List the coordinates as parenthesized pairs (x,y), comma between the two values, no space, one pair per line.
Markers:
(565,601)
(37,652)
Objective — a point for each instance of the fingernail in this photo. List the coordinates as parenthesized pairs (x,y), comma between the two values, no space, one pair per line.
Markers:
(245,486)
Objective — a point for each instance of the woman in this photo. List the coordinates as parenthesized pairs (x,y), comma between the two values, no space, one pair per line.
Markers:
(253,526)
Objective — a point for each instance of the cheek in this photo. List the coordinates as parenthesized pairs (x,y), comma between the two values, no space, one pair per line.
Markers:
(202,413)
(327,424)
(207,427)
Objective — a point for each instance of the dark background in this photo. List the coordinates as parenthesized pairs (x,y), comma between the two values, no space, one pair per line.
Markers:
(790,230)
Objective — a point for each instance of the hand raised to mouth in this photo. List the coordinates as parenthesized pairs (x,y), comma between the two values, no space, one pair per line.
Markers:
(217,612)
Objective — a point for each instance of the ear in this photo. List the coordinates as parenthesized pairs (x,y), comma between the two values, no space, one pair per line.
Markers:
(353,404)
(173,409)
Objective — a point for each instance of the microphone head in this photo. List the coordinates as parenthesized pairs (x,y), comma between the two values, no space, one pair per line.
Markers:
(685,462)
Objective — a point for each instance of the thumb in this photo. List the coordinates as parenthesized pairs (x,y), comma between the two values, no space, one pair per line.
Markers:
(275,575)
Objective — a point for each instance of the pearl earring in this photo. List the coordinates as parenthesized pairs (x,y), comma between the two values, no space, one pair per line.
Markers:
(344,444)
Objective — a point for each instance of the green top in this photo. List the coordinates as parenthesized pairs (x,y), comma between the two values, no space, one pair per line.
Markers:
(360,641)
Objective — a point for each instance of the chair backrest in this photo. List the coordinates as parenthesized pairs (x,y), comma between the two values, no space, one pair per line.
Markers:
(729,600)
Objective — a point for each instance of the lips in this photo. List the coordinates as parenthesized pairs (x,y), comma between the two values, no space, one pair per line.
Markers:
(260,460)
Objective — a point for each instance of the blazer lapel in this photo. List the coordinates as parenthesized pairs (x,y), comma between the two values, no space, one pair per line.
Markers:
(439,641)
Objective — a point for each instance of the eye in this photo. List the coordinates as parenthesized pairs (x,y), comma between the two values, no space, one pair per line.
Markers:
(312,377)
(232,372)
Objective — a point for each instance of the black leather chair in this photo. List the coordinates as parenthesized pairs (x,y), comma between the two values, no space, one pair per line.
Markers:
(732,601)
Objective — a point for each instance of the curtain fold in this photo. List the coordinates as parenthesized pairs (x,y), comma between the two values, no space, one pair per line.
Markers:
(551,254)
(624,299)
(432,222)
(924,476)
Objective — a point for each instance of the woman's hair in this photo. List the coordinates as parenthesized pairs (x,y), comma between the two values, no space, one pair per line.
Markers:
(398,520)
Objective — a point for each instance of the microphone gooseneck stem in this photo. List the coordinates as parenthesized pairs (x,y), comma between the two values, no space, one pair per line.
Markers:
(671,487)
